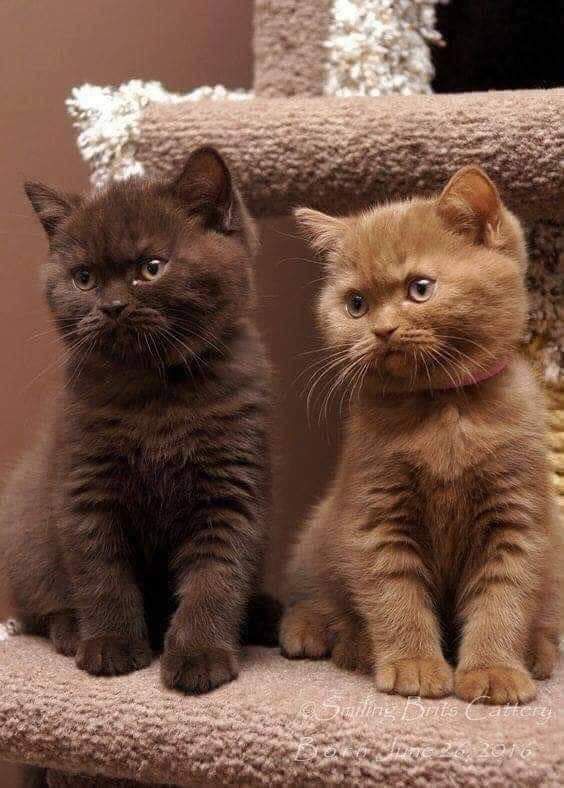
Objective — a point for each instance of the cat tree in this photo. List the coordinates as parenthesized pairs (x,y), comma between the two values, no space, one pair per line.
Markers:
(303,136)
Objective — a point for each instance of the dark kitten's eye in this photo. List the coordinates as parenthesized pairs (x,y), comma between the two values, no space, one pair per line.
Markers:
(152,269)
(84,279)
(421,289)
(356,305)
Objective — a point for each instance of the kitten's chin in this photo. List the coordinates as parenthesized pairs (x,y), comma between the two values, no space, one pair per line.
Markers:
(138,351)
(396,364)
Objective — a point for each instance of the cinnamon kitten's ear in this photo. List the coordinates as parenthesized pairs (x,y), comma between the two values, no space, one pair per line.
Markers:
(323,232)
(470,205)
(205,187)
(50,205)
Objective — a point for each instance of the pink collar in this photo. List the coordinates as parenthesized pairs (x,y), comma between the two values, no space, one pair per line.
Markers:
(479,377)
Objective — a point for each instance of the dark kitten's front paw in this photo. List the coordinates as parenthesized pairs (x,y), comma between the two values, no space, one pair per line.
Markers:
(112,656)
(198,671)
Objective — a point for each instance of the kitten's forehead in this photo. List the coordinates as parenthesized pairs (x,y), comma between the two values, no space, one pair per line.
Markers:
(124,221)
(383,240)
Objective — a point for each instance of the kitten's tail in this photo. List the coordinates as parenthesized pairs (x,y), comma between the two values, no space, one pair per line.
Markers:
(263,621)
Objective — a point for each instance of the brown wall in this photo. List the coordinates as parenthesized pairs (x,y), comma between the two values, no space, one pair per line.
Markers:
(47,47)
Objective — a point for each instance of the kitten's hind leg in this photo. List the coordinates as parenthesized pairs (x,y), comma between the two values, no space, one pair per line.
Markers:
(61,628)
(543,654)
(543,650)
(63,632)
(304,631)
(352,649)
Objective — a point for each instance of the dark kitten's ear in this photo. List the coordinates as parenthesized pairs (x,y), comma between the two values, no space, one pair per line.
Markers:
(205,187)
(470,205)
(323,232)
(50,205)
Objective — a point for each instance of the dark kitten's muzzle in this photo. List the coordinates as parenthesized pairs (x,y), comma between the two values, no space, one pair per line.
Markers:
(113,309)
(124,332)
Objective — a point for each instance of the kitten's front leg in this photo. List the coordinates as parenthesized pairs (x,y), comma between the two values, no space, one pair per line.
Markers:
(491,667)
(394,597)
(201,646)
(215,567)
(497,606)
(109,605)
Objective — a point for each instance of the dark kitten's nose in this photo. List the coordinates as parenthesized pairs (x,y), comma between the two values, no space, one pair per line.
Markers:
(384,333)
(113,308)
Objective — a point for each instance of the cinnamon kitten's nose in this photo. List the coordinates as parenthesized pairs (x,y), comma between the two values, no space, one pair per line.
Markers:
(384,333)
(113,308)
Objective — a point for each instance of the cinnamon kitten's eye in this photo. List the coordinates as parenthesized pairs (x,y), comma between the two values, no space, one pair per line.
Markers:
(84,279)
(356,305)
(152,269)
(421,289)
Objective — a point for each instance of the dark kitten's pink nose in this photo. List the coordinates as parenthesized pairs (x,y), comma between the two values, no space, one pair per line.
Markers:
(113,308)
(384,333)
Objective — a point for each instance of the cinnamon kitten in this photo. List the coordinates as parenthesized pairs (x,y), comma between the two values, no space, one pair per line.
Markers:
(143,506)
(437,541)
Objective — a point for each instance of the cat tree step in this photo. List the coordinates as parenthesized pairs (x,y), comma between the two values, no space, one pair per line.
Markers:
(341,154)
(280,723)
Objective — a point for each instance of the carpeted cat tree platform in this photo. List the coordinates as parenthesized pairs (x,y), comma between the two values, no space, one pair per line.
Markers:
(281,723)
(324,126)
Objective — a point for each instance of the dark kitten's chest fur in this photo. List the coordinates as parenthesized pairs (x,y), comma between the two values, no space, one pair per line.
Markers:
(145,442)
(148,449)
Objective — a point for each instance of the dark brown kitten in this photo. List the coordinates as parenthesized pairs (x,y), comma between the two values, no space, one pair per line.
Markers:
(144,502)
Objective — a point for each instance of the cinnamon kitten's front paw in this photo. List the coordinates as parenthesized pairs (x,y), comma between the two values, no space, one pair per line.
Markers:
(427,677)
(496,684)
(198,671)
(112,656)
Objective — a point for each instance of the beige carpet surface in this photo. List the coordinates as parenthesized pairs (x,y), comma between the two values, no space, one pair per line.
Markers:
(280,723)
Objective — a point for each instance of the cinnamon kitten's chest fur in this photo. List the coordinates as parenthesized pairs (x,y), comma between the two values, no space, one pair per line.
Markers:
(445,454)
